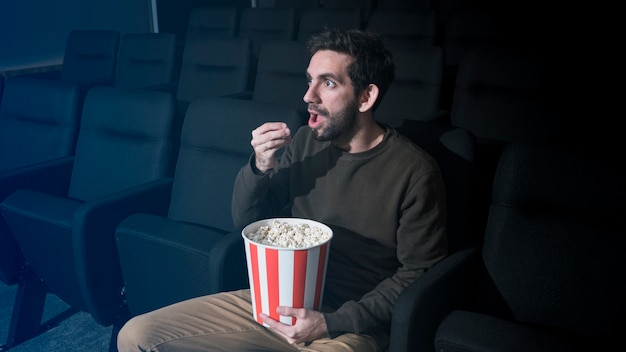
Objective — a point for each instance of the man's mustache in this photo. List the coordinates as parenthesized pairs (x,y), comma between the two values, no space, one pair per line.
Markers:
(318,110)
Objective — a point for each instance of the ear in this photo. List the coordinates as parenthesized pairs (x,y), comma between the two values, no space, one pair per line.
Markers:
(368,97)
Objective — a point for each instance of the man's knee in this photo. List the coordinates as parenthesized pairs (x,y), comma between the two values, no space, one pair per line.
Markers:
(130,336)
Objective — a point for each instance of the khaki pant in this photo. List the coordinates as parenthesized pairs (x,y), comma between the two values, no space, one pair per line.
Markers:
(220,322)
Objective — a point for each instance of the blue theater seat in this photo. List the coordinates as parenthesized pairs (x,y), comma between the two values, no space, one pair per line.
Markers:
(549,276)
(194,248)
(120,166)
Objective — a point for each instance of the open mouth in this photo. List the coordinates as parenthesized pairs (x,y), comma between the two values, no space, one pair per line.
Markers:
(315,119)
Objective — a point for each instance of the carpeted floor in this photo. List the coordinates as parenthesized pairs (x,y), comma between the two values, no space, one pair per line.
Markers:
(69,331)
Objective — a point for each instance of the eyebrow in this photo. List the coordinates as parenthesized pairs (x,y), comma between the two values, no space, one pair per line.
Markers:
(328,75)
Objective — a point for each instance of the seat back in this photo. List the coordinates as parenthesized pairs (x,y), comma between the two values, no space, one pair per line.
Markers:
(280,75)
(211,22)
(38,121)
(262,25)
(415,93)
(214,67)
(471,29)
(403,30)
(554,241)
(406,5)
(215,144)
(315,20)
(502,96)
(454,149)
(297,4)
(146,60)
(464,31)
(90,56)
(365,6)
(125,139)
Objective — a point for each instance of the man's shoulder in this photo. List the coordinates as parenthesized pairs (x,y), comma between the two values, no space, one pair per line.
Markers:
(402,144)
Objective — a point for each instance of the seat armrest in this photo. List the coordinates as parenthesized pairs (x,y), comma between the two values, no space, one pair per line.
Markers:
(52,177)
(230,264)
(425,303)
(440,116)
(94,235)
(152,198)
(184,259)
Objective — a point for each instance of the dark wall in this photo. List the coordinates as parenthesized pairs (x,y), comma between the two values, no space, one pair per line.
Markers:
(33,32)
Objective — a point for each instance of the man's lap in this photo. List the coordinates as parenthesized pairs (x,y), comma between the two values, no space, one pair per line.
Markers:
(219,322)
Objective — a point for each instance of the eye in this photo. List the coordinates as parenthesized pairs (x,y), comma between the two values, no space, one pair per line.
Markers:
(328,83)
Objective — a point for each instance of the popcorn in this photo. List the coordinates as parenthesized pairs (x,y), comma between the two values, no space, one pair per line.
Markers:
(282,234)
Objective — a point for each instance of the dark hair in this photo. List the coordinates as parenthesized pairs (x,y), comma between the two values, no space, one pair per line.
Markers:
(373,63)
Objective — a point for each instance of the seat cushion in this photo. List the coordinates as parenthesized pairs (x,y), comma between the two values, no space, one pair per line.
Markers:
(468,331)
(142,237)
(42,226)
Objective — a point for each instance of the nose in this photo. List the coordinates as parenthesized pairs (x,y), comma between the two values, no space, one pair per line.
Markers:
(311,96)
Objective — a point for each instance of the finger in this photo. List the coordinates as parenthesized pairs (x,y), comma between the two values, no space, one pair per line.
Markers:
(271,322)
(288,311)
(271,138)
(268,127)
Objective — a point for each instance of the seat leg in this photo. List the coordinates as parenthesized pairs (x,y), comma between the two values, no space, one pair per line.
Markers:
(122,318)
(27,310)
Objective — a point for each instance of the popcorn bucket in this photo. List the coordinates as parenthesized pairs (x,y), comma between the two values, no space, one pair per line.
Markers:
(285,276)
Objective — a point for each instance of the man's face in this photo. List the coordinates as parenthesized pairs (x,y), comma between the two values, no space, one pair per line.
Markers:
(332,103)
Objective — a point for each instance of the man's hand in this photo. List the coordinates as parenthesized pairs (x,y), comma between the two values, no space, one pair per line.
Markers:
(267,139)
(310,324)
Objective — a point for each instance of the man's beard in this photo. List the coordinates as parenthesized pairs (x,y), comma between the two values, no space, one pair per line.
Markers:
(340,126)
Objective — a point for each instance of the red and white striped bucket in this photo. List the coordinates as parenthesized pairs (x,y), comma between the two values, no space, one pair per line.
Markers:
(281,276)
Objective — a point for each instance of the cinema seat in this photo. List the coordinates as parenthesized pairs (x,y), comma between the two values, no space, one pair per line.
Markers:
(39,122)
(280,74)
(415,93)
(147,61)
(90,57)
(262,25)
(402,30)
(120,166)
(313,21)
(549,274)
(195,249)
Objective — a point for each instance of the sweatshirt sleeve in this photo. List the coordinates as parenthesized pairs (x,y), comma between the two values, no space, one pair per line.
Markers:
(421,242)
(256,195)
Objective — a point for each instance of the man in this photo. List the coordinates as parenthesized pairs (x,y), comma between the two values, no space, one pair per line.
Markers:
(383,197)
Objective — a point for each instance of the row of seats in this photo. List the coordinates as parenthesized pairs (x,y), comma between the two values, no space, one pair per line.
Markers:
(105,57)
(426,71)
(544,274)
(65,221)
(402,29)
(428,58)
(167,227)
(59,217)
(453,147)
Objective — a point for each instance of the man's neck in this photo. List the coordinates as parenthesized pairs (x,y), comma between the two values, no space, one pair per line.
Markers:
(369,135)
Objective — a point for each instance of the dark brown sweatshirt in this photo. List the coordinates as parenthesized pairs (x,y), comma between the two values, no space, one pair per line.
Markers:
(386,207)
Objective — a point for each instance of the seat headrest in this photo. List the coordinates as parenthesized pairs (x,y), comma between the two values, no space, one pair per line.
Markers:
(557,176)
(136,111)
(237,119)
